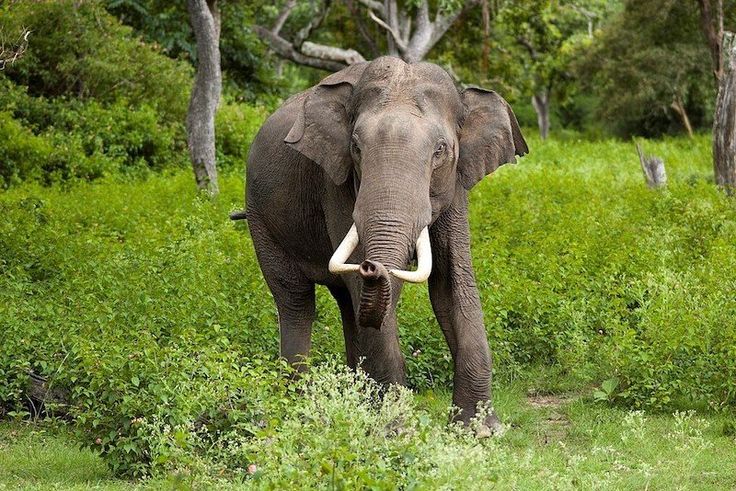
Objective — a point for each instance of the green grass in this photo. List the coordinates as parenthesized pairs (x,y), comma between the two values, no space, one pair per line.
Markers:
(36,457)
(552,442)
(146,304)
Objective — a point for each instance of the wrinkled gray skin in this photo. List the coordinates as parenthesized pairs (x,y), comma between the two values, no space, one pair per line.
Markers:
(392,147)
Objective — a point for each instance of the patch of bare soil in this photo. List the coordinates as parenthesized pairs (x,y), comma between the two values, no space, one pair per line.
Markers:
(555,425)
(548,401)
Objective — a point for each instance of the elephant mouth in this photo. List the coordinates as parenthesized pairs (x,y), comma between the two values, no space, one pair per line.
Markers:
(338,263)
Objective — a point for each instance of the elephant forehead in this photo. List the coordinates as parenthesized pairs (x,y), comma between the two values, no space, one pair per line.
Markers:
(390,81)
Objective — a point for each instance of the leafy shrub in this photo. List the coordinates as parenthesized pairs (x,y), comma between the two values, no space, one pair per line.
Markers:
(52,141)
(58,139)
(77,49)
(88,99)
(235,127)
(355,434)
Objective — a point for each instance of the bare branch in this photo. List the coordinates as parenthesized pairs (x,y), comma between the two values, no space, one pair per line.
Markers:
(313,24)
(283,16)
(287,50)
(332,53)
(395,35)
(375,6)
(10,55)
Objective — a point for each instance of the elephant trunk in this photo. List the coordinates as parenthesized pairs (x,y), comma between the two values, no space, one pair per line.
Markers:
(375,295)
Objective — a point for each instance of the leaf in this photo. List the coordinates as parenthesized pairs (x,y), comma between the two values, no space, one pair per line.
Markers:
(600,396)
(609,386)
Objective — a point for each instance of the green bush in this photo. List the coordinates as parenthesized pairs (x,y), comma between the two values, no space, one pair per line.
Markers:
(77,49)
(87,99)
(235,127)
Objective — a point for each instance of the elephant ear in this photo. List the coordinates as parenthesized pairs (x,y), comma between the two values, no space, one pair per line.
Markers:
(321,131)
(489,137)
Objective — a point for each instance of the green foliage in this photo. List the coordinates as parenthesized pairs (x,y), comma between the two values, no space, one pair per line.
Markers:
(248,71)
(53,140)
(79,50)
(235,127)
(648,56)
(108,105)
(561,446)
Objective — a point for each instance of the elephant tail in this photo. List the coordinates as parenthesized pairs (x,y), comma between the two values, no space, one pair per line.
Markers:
(239,215)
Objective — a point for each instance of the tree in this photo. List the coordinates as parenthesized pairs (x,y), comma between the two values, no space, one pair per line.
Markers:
(411,31)
(722,47)
(645,68)
(724,124)
(242,54)
(205,19)
(542,33)
(711,23)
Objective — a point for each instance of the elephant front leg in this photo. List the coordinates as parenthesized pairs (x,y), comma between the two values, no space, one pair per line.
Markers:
(456,303)
(292,292)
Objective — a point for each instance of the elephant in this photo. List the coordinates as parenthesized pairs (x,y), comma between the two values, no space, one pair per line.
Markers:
(351,180)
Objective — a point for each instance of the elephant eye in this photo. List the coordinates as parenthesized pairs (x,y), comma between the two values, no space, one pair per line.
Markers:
(440,149)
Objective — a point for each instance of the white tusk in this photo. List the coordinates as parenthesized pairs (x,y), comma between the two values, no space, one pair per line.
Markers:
(424,261)
(344,250)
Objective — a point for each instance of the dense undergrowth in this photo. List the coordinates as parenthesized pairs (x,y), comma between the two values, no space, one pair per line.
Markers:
(144,302)
(89,99)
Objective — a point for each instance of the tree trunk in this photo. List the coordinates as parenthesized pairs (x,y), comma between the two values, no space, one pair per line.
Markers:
(679,108)
(486,14)
(711,23)
(653,169)
(205,19)
(540,101)
(724,125)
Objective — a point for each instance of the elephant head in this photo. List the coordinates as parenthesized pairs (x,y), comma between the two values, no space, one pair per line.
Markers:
(406,140)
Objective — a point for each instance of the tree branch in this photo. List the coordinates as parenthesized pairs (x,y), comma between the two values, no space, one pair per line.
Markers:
(287,50)
(395,35)
(285,13)
(8,56)
(375,6)
(428,33)
(313,24)
(331,53)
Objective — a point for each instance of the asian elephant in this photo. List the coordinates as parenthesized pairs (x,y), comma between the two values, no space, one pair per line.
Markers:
(351,180)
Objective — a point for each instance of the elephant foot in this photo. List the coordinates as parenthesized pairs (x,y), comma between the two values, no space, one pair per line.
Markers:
(491,426)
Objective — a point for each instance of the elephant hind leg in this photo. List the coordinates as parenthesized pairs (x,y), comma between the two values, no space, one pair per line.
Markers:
(292,292)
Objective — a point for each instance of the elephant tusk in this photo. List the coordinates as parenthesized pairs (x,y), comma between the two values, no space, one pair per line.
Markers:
(424,261)
(338,261)
(342,253)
